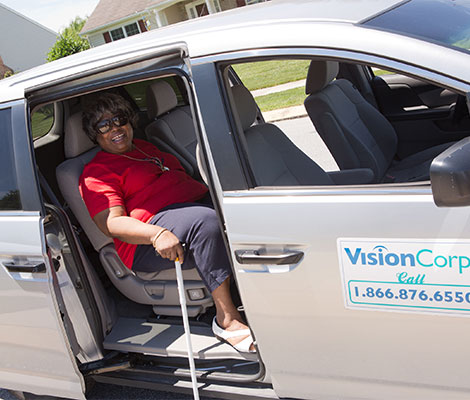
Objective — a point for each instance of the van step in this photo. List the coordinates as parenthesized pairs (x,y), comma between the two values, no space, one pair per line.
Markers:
(136,335)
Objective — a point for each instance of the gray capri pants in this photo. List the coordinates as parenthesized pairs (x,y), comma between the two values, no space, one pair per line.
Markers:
(197,226)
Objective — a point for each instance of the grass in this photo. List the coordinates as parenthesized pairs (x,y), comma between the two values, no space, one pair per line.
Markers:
(286,98)
(262,74)
(378,72)
(42,121)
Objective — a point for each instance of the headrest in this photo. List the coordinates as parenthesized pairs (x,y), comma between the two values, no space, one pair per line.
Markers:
(320,74)
(161,98)
(245,105)
(76,141)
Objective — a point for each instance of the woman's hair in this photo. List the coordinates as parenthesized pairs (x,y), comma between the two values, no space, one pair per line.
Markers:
(105,103)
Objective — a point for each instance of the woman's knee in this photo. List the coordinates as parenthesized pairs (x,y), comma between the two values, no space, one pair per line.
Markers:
(208,223)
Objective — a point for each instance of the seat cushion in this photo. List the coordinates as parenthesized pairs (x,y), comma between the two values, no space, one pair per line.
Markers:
(276,161)
(356,134)
(76,141)
(414,167)
(320,74)
(68,176)
(161,98)
(174,133)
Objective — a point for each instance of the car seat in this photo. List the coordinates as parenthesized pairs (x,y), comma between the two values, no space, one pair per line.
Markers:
(275,159)
(158,290)
(172,127)
(355,132)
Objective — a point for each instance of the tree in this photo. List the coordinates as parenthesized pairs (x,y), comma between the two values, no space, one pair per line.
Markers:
(69,41)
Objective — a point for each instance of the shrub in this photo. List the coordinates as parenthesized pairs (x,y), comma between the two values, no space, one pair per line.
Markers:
(69,41)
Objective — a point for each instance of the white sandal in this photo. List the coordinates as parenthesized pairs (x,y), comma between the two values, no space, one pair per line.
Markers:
(223,335)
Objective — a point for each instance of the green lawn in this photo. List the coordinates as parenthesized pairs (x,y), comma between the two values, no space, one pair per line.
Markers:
(287,98)
(378,72)
(264,74)
(42,120)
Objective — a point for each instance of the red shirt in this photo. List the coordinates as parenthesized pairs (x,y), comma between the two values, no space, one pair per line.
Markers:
(141,187)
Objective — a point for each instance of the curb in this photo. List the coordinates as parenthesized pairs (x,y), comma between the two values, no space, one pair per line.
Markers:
(285,113)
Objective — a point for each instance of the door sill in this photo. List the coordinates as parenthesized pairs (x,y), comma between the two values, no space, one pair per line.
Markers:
(226,390)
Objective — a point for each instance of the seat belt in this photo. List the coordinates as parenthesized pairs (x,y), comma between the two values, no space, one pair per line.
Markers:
(45,186)
(187,332)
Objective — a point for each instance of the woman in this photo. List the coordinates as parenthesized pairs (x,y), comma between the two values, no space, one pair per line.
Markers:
(143,199)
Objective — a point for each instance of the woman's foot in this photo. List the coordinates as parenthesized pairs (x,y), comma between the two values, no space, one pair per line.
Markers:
(235,333)
(227,325)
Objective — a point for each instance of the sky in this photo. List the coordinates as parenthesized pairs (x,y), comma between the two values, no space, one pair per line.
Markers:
(53,14)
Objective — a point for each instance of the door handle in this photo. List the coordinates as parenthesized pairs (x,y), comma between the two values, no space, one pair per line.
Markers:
(32,268)
(256,257)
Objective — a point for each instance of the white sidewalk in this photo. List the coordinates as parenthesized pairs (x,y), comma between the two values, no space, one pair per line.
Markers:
(279,88)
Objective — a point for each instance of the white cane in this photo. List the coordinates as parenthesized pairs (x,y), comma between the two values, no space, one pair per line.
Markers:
(187,332)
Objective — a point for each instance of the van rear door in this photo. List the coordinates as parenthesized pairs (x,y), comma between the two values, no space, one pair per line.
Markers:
(35,352)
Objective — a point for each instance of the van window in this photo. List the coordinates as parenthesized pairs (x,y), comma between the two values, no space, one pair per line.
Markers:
(137,92)
(42,120)
(9,193)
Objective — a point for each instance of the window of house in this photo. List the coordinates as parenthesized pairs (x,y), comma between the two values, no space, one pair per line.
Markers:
(128,30)
(199,8)
(42,120)
(117,34)
(132,29)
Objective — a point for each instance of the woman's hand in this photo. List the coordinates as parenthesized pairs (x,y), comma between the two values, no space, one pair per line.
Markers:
(114,223)
(169,246)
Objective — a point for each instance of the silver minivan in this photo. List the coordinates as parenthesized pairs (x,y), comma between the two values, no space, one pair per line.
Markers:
(348,228)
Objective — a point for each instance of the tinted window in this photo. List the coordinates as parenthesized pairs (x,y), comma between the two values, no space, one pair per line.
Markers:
(444,21)
(9,193)
(42,120)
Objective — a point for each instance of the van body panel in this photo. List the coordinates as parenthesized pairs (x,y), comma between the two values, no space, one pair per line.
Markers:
(36,357)
(33,344)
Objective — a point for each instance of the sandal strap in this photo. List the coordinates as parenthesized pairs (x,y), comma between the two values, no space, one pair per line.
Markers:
(231,334)
(244,345)
(224,334)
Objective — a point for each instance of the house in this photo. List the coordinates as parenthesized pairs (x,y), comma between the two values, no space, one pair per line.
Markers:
(4,70)
(113,20)
(17,50)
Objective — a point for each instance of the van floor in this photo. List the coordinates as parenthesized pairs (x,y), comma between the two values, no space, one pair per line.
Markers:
(139,330)
(167,338)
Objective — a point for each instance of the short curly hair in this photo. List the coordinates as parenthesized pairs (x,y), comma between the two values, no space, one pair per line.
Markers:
(105,103)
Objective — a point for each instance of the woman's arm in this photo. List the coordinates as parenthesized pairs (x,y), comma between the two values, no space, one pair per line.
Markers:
(114,222)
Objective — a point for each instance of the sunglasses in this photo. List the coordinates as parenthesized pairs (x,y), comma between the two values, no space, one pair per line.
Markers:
(106,125)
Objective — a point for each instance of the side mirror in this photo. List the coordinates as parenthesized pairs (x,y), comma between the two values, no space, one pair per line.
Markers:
(450,176)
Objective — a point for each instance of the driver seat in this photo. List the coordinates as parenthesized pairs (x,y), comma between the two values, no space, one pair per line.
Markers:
(355,132)
(156,289)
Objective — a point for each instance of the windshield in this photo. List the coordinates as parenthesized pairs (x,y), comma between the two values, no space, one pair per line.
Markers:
(446,22)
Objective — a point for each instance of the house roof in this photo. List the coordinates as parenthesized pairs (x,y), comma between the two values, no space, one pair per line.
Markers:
(109,11)
(27,19)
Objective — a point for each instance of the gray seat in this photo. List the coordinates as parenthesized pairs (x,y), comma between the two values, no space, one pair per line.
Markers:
(355,132)
(172,127)
(275,160)
(158,290)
